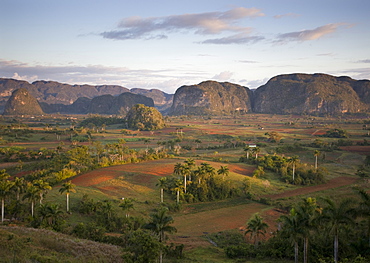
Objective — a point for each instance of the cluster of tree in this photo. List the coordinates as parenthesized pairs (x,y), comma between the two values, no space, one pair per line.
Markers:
(142,241)
(191,183)
(336,133)
(325,230)
(99,121)
(20,196)
(144,118)
(290,169)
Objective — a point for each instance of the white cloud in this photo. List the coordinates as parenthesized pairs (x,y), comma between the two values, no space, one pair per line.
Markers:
(287,15)
(201,23)
(223,76)
(25,77)
(310,34)
(242,38)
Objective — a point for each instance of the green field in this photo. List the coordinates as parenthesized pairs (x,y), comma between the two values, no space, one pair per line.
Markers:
(218,141)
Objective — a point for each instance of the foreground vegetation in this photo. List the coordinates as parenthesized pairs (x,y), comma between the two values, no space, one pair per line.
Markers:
(53,179)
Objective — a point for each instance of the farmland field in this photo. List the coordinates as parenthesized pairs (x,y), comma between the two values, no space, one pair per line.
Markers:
(218,141)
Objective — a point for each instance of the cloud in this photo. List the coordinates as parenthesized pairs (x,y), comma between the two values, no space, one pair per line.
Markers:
(225,75)
(201,23)
(25,77)
(310,34)
(364,61)
(287,15)
(242,38)
(248,61)
(167,80)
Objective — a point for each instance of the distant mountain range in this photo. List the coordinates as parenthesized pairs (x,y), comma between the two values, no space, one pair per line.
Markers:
(283,94)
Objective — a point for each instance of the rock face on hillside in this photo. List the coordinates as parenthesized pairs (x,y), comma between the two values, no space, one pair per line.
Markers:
(53,95)
(211,98)
(162,101)
(22,103)
(312,94)
(105,104)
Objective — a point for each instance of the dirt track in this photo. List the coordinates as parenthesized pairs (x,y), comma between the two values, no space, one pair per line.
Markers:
(333,183)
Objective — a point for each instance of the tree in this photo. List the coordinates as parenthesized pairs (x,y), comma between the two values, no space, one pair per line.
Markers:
(308,212)
(43,187)
(256,227)
(294,160)
(364,208)
(338,215)
(256,151)
(19,186)
(160,223)
(32,194)
(50,215)
(224,171)
(316,154)
(126,205)
(68,188)
(247,149)
(162,183)
(292,228)
(5,186)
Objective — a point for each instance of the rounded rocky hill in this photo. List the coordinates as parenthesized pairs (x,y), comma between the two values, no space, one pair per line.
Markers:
(311,94)
(211,98)
(22,103)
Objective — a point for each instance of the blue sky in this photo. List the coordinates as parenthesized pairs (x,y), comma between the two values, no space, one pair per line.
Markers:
(165,44)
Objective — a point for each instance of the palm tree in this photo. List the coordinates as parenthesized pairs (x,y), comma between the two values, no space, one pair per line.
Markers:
(292,228)
(32,194)
(338,215)
(308,212)
(19,186)
(178,188)
(43,188)
(126,205)
(162,183)
(364,208)
(160,223)
(5,186)
(50,214)
(294,160)
(247,149)
(316,154)
(256,227)
(224,171)
(67,187)
(256,151)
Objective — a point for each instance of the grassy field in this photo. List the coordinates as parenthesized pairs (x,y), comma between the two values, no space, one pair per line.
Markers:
(205,137)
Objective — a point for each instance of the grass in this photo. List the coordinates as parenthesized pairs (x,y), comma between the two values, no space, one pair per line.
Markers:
(39,245)
(138,181)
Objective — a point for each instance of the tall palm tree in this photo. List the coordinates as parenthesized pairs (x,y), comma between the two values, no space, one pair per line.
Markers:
(127,205)
(224,171)
(5,187)
(316,154)
(160,223)
(19,186)
(256,151)
(294,160)
(247,150)
(308,212)
(32,194)
(162,183)
(337,215)
(256,227)
(292,228)
(364,208)
(67,187)
(43,188)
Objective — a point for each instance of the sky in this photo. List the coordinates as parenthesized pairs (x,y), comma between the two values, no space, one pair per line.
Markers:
(164,44)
